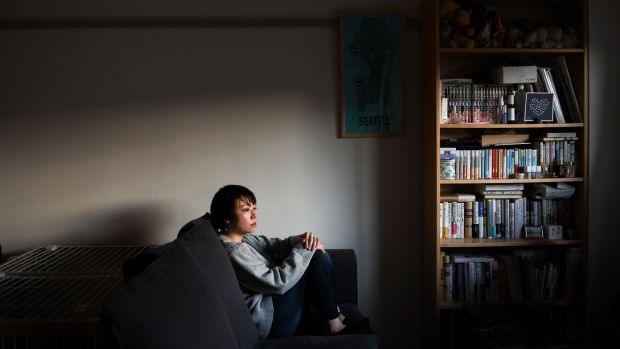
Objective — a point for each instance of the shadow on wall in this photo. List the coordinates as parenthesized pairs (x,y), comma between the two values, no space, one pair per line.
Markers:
(399,218)
(604,243)
(122,226)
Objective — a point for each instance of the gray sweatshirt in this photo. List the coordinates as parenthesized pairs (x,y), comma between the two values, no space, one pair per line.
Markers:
(265,267)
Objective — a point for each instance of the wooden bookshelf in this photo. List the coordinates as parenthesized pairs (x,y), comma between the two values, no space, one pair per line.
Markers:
(459,305)
(511,126)
(439,63)
(489,243)
(509,181)
(460,52)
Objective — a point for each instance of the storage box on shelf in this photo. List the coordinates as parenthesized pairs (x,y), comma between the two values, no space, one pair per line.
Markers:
(562,162)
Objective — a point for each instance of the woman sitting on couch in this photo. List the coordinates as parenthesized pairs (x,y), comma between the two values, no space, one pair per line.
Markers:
(277,276)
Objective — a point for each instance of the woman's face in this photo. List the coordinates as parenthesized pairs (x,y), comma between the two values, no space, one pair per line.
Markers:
(245,213)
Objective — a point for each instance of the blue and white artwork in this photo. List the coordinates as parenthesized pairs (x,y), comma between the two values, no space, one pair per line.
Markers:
(371,74)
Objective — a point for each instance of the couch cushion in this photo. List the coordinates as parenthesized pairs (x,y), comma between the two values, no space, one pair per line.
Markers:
(173,304)
(208,251)
(187,298)
(323,342)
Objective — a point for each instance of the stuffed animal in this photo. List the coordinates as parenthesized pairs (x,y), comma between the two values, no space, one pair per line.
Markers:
(570,39)
(515,37)
(481,27)
(447,8)
(483,39)
(561,39)
(462,34)
(551,37)
(498,33)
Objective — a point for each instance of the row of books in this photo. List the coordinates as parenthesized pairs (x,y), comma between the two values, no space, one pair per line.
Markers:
(534,159)
(462,101)
(533,275)
(500,218)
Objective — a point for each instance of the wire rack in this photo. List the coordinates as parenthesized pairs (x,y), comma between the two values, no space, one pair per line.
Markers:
(70,260)
(50,297)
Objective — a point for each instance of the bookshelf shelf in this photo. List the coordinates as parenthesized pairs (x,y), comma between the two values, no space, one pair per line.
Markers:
(486,243)
(511,126)
(439,63)
(509,181)
(554,302)
(460,52)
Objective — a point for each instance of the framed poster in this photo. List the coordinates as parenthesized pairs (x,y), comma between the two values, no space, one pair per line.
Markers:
(371,58)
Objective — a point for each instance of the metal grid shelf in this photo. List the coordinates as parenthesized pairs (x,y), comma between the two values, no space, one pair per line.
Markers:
(51,297)
(70,260)
(55,298)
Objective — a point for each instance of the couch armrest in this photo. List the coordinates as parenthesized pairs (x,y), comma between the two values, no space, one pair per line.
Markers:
(345,274)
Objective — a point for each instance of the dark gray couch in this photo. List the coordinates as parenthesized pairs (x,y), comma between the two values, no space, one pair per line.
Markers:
(185,295)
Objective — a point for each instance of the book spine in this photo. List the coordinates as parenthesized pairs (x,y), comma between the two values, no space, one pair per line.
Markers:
(455,221)
(491,217)
(479,173)
(481,216)
(468,165)
(499,233)
(495,163)
(494,281)
(444,276)
(460,220)
(441,220)
(447,216)
(468,219)
(461,281)
(475,220)
(512,219)
(550,87)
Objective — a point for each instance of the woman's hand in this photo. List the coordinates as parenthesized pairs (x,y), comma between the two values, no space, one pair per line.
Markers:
(311,242)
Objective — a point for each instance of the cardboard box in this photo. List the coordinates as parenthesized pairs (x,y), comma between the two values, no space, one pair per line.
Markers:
(526,74)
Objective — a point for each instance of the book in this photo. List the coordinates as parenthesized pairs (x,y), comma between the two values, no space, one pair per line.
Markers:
(457,197)
(501,192)
(563,78)
(467,258)
(557,191)
(547,81)
(492,187)
(502,196)
(503,139)
(560,134)
(469,212)
(560,92)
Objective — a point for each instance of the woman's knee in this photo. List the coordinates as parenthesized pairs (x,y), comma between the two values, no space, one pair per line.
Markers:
(321,258)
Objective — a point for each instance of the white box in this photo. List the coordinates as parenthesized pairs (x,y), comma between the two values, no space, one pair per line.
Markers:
(526,74)
(554,232)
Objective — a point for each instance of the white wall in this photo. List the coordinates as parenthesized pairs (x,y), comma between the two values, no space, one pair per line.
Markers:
(604,242)
(125,134)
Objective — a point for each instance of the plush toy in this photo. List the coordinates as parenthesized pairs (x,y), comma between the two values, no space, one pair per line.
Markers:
(562,39)
(447,8)
(570,39)
(515,37)
(552,37)
(483,39)
(481,27)
(462,34)
(498,33)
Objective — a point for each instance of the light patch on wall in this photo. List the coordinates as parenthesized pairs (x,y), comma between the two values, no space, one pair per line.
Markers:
(145,154)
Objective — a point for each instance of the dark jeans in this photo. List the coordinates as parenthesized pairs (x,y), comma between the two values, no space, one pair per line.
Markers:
(316,285)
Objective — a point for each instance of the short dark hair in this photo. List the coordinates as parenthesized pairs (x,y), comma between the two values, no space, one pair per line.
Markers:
(223,204)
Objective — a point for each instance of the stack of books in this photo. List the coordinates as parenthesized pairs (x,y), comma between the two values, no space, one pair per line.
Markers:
(500,191)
